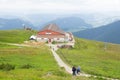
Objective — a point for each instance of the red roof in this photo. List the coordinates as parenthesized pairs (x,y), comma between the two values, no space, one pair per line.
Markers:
(51,36)
(53,27)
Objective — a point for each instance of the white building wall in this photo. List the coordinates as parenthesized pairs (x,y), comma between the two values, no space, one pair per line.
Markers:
(59,39)
(38,39)
(62,39)
(68,38)
(65,39)
(42,39)
(55,39)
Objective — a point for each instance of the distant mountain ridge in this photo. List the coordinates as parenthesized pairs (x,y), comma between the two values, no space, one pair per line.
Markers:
(71,24)
(97,20)
(107,33)
(6,24)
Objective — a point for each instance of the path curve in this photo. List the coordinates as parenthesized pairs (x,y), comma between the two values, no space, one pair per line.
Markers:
(68,68)
(61,63)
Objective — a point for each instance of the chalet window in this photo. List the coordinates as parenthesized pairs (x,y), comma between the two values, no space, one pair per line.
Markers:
(55,38)
(48,33)
(45,38)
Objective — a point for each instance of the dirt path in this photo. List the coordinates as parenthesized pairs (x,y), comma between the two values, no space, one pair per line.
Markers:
(61,63)
(68,68)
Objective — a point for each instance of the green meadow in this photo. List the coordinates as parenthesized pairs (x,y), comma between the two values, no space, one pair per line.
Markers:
(15,36)
(32,63)
(38,63)
(96,58)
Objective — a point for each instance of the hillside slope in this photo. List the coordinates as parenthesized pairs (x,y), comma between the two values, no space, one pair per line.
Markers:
(31,63)
(15,36)
(107,33)
(94,57)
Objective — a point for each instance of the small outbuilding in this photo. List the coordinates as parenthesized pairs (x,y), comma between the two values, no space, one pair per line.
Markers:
(33,37)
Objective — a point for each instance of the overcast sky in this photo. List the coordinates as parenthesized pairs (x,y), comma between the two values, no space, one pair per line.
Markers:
(60,6)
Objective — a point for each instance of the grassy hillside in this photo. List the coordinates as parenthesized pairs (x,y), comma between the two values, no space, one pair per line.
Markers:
(94,58)
(37,63)
(31,63)
(15,36)
(41,62)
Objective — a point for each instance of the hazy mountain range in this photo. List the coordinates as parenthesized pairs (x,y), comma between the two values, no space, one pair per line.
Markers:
(95,19)
(98,20)
(6,24)
(107,33)
(38,20)
(71,24)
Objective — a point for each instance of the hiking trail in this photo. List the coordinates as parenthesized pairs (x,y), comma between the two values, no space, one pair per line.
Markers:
(68,68)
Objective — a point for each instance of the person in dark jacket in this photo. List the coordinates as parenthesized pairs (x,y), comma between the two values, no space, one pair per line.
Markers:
(78,69)
(74,70)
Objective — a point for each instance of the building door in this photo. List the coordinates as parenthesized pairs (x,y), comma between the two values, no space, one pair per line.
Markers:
(49,40)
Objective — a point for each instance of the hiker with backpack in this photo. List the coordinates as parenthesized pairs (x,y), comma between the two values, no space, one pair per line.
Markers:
(78,70)
(74,70)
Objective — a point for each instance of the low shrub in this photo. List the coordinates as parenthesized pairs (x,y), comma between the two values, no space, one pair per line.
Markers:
(7,67)
(53,42)
(26,66)
(62,68)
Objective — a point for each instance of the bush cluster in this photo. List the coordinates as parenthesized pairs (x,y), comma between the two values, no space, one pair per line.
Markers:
(7,67)
(26,66)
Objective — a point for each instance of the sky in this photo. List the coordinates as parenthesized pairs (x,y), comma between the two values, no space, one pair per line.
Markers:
(59,6)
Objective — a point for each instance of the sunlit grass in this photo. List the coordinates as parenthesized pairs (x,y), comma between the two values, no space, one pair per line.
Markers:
(15,36)
(94,58)
(41,60)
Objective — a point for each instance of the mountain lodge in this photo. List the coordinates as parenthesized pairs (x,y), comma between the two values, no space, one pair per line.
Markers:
(52,33)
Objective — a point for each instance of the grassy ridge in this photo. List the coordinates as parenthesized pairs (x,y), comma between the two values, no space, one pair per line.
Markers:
(44,67)
(90,55)
(93,58)
(15,36)
(3,45)
(41,60)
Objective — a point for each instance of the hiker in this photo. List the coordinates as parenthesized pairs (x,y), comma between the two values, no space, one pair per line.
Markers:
(74,70)
(78,69)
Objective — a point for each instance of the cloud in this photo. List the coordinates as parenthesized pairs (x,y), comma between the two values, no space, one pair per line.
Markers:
(60,6)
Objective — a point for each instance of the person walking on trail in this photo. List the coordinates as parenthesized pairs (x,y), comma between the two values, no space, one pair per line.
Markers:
(74,70)
(78,70)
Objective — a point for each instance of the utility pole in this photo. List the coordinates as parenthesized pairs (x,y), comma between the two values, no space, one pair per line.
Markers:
(105,45)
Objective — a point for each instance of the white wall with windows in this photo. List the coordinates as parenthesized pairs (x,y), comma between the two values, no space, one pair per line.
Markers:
(42,39)
(59,39)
